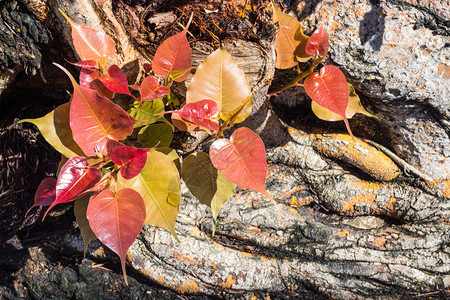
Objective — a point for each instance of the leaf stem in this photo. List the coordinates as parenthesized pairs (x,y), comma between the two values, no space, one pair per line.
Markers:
(297,78)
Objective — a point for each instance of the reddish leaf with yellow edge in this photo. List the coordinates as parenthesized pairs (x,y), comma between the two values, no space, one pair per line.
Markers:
(203,113)
(318,43)
(75,177)
(219,78)
(290,40)
(354,106)
(45,194)
(115,80)
(151,90)
(95,119)
(90,44)
(242,159)
(173,57)
(117,219)
(328,88)
(131,160)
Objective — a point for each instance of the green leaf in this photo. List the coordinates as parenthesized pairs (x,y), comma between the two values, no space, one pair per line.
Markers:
(172,154)
(150,135)
(146,111)
(55,128)
(159,185)
(205,182)
(80,209)
(172,100)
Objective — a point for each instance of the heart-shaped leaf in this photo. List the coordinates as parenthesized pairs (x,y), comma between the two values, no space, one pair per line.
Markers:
(220,79)
(155,135)
(354,106)
(205,182)
(290,40)
(115,80)
(318,43)
(203,113)
(45,194)
(242,159)
(55,128)
(94,119)
(117,219)
(148,112)
(89,43)
(173,57)
(79,210)
(131,160)
(74,178)
(159,185)
(329,89)
(151,90)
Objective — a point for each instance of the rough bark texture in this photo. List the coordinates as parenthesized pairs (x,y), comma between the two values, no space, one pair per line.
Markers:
(359,220)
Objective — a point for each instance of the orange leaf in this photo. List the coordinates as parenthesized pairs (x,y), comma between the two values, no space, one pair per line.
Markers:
(90,44)
(290,40)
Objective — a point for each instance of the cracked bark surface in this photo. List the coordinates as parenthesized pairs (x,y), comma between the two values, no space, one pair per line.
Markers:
(357,223)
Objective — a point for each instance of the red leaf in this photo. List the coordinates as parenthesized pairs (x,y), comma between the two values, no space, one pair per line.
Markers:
(111,145)
(45,194)
(151,90)
(101,89)
(203,113)
(87,76)
(329,89)
(95,119)
(147,68)
(117,219)
(89,43)
(174,56)
(318,42)
(106,147)
(115,80)
(131,160)
(74,178)
(242,159)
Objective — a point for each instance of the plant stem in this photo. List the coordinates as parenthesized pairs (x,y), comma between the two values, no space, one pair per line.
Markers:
(297,78)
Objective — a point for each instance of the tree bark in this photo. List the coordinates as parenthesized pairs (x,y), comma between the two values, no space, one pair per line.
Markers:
(357,218)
